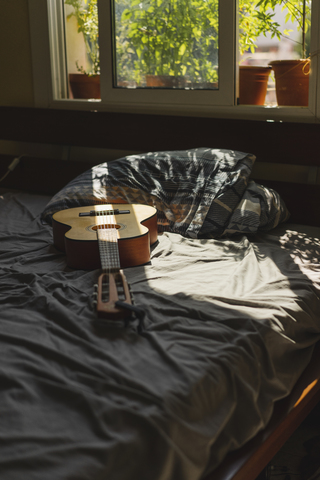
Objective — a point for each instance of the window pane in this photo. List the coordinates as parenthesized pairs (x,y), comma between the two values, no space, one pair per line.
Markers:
(166,44)
(82,48)
(272,52)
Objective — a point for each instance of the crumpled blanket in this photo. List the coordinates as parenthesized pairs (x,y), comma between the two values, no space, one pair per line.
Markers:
(199,193)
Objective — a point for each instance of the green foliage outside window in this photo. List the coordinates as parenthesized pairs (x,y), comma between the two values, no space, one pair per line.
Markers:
(256,17)
(179,37)
(170,37)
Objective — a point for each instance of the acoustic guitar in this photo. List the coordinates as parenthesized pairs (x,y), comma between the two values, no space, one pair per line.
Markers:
(110,237)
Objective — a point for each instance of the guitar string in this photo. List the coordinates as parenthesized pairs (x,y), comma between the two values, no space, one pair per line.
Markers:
(102,251)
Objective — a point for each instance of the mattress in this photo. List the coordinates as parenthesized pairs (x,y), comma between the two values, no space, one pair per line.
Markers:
(230,324)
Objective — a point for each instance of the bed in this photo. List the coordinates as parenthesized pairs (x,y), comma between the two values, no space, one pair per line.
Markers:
(226,351)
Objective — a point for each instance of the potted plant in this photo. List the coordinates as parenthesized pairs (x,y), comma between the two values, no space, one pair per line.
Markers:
(254,20)
(173,42)
(86,83)
(292,76)
(292,82)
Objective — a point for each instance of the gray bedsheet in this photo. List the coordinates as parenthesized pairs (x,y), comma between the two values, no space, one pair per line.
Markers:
(230,326)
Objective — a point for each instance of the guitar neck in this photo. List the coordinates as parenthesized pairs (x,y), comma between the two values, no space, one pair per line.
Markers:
(108,248)
(112,284)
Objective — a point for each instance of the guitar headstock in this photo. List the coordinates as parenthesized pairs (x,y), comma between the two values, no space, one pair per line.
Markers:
(112,288)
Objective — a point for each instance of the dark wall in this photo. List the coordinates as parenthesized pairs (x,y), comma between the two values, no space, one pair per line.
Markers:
(272,142)
(269,141)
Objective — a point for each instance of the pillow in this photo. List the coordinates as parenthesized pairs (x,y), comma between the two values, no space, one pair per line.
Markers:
(194,191)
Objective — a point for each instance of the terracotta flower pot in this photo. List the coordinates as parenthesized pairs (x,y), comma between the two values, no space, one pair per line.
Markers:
(253,83)
(84,86)
(292,81)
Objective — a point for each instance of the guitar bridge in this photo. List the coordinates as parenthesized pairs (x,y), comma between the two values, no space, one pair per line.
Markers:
(97,213)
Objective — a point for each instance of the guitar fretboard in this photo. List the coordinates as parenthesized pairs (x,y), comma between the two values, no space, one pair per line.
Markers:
(108,248)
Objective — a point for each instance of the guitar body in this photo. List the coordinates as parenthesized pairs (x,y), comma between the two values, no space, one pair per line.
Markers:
(75,233)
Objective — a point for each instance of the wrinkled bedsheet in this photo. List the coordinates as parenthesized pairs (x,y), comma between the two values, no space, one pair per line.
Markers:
(229,327)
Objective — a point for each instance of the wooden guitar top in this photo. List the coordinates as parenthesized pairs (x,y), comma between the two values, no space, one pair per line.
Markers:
(75,232)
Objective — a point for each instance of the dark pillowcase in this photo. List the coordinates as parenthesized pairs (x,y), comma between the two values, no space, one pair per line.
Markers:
(196,192)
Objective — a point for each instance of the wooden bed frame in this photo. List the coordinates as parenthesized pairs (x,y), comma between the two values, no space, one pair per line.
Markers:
(287,160)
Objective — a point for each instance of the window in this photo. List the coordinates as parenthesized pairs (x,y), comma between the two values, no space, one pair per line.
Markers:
(166,44)
(132,49)
(128,55)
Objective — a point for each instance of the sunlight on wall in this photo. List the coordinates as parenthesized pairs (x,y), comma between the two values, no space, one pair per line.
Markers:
(76,50)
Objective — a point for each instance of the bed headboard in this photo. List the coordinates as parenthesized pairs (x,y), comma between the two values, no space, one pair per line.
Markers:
(287,153)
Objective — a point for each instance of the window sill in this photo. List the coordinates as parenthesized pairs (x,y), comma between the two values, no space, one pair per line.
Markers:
(244,112)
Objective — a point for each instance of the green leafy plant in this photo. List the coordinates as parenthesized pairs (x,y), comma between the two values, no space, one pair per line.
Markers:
(180,37)
(169,37)
(86,14)
(257,18)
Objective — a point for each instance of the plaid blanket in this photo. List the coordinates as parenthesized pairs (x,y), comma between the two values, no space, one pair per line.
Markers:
(202,192)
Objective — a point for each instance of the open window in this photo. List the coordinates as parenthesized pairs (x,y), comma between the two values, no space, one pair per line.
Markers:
(179,55)
(151,51)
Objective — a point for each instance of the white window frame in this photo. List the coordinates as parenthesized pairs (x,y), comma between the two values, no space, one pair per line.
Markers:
(47,44)
(223,96)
